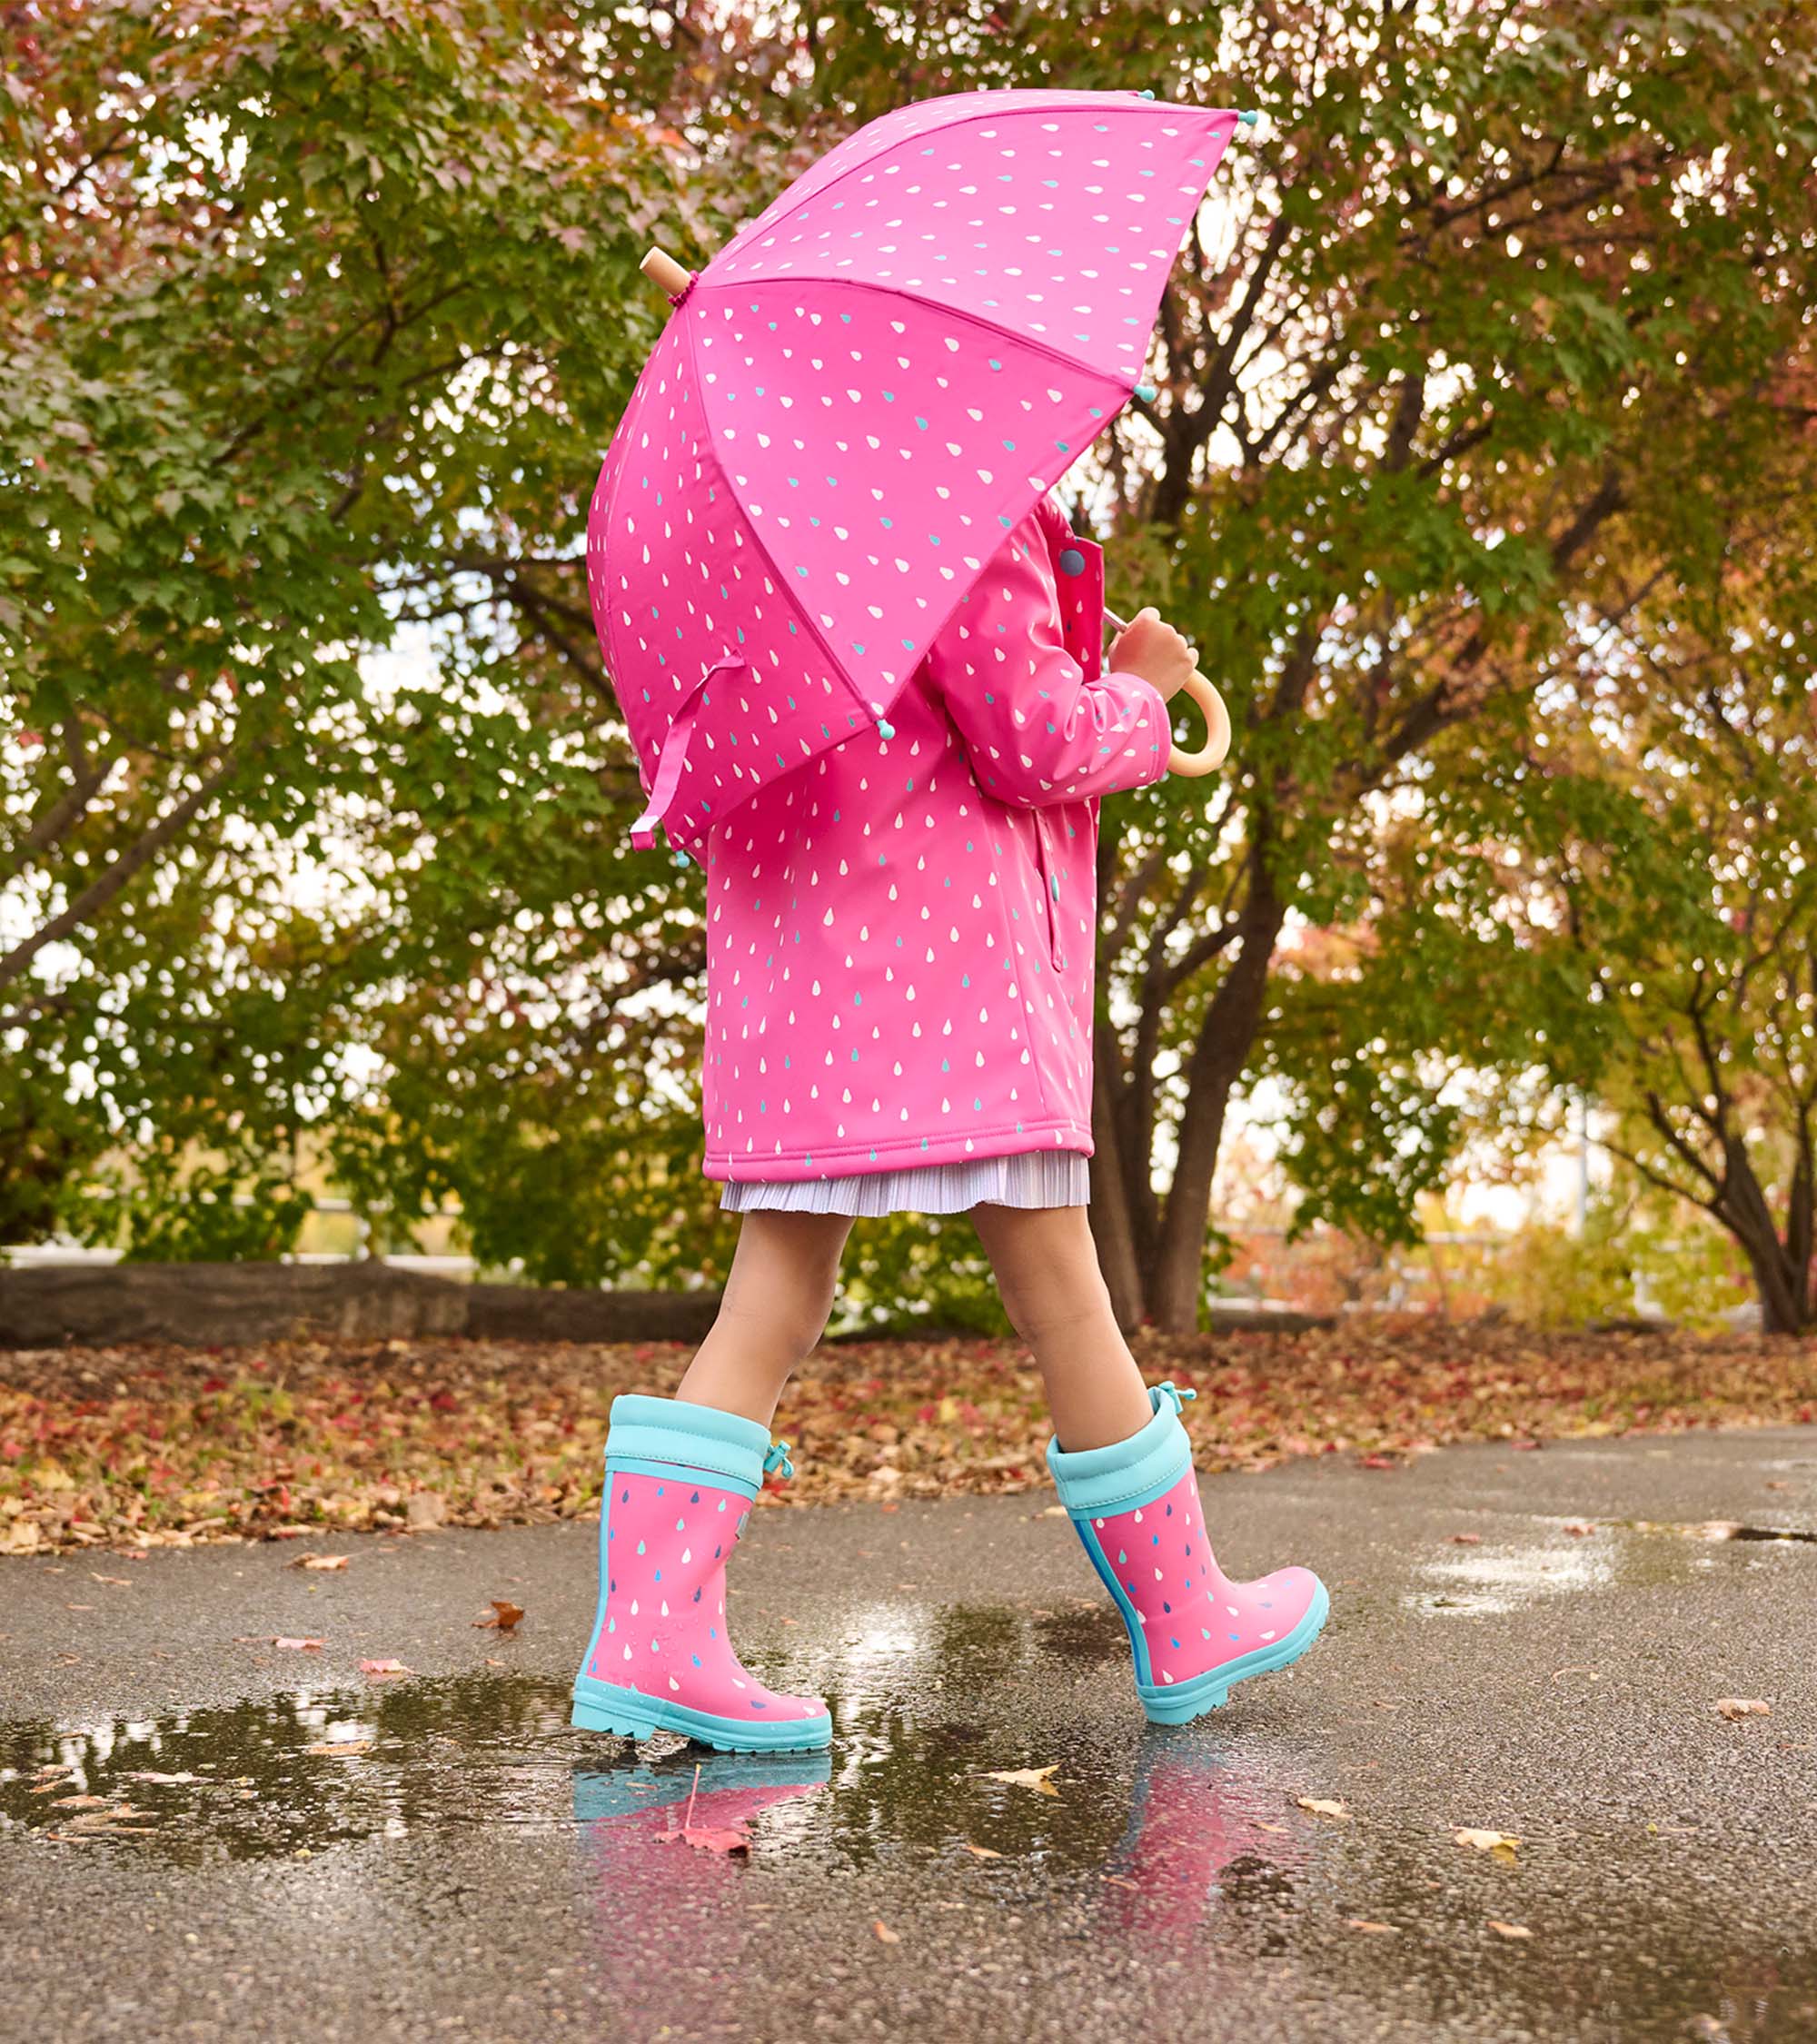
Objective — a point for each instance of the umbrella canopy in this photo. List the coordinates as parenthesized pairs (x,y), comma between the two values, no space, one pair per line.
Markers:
(860,395)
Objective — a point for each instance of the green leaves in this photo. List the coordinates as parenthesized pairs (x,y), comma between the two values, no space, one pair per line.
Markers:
(294,344)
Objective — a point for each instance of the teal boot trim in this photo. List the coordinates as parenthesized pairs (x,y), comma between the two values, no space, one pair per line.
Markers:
(605,1707)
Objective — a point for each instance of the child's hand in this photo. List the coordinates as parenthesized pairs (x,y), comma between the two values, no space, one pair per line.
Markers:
(1155,651)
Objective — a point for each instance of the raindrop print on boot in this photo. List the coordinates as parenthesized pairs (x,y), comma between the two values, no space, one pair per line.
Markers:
(680,1483)
(1193,1632)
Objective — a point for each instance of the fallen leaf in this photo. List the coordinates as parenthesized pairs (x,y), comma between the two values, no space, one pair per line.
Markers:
(1376,1461)
(424,1510)
(506,1616)
(321,1562)
(1579,1527)
(119,1582)
(982,1852)
(120,1819)
(338,1749)
(79,1803)
(885,1935)
(385,1668)
(360,1437)
(706,1838)
(297,1646)
(1500,1844)
(1321,1807)
(1715,1529)
(1378,1929)
(1733,1707)
(1466,1540)
(1034,1777)
(1509,1929)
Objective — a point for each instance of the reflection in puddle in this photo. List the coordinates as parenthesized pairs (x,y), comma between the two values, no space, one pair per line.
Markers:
(1625,1554)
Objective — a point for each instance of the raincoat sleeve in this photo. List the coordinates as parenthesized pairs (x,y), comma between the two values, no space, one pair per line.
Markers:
(1036,730)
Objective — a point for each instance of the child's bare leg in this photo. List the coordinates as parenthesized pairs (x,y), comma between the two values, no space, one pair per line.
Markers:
(1047,1269)
(778,1295)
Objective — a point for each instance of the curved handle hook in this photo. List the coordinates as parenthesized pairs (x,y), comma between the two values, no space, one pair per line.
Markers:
(1215,749)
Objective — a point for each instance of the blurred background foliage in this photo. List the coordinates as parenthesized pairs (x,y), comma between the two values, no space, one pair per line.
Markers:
(1479,472)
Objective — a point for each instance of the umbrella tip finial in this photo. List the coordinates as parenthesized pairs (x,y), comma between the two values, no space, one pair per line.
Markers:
(1250,118)
(1145,391)
(1148,92)
(885,730)
(662,269)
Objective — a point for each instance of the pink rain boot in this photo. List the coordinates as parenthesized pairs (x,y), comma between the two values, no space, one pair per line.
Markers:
(680,1482)
(1194,1632)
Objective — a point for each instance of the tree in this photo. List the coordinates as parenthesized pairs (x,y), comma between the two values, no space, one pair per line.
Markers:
(1506,301)
(308,307)
(1689,908)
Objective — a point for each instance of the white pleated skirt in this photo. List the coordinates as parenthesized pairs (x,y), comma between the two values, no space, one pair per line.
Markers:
(1029,1178)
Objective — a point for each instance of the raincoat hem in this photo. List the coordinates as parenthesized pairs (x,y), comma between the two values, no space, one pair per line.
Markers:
(854,1159)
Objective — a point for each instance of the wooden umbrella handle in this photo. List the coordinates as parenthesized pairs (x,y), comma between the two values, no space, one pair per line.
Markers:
(662,269)
(1216,747)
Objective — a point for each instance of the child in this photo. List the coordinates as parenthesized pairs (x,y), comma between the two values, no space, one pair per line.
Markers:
(900,959)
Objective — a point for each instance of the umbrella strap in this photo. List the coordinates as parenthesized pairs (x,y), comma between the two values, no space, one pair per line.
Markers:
(669,762)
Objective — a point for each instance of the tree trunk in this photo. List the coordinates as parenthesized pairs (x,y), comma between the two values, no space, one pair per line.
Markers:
(1176,1274)
(1781,1269)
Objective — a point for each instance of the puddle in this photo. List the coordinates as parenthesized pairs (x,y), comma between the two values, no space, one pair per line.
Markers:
(305,1771)
(1504,1576)
(926,1704)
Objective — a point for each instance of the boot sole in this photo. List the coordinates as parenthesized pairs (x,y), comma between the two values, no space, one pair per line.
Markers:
(604,1707)
(1181,1703)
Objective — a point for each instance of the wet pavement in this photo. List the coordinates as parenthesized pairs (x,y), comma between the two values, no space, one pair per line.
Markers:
(205,1835)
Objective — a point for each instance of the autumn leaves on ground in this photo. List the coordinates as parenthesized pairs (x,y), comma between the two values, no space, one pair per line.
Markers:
(152,1444)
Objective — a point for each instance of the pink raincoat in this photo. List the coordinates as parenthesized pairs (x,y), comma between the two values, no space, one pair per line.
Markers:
(900,935)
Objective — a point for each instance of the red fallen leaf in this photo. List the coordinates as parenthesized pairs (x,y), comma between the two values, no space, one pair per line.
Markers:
(300,1646)
(706,1838)
(1376,1461)
(385,1667)
(506,1616)
(1466,1540)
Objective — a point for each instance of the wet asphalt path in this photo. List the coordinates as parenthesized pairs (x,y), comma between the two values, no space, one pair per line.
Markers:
(462,1865)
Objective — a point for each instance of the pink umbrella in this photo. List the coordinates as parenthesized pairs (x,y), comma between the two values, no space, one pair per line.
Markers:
(858,397)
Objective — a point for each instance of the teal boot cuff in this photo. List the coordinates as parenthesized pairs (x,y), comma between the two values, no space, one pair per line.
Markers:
(669,1432)
(1098,1481)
